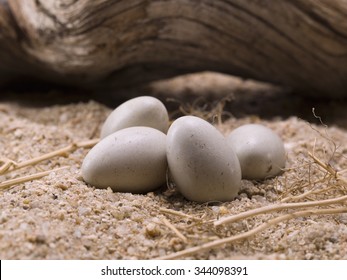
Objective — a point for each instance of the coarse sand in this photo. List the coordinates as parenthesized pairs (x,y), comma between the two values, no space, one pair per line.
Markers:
(59,216)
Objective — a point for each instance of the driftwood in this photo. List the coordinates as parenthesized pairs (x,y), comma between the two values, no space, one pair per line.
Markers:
(301,44)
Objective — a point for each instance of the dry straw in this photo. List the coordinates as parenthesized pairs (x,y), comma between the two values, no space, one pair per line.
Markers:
(9,165)
(200,107)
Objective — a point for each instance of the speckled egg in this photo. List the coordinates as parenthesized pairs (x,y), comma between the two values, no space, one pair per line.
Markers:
(260,151)
(130,160)
(202,164)
(140,111)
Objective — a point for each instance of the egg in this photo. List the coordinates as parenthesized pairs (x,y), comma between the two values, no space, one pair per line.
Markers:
(202,164)
(260,151)
(130,160)
(139,111)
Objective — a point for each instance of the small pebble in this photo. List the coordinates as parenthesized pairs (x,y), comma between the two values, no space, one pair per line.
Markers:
(152,230)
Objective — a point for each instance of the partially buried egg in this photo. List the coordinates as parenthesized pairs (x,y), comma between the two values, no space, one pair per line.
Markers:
(260,151)
(140,111)
(130,160)
(202,164)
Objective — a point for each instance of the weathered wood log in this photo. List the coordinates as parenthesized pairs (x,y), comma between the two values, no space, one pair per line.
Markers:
(301,44)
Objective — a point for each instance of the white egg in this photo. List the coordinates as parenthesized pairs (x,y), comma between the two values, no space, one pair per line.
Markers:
(130,160)
(260,151)
(202,164)
(139,111)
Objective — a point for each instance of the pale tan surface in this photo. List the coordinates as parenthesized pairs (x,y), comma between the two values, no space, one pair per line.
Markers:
(60,217)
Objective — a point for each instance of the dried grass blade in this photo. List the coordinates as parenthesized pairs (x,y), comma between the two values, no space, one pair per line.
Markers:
(279,207)
(174,229)
(59,152)
(9,183)
(250,233)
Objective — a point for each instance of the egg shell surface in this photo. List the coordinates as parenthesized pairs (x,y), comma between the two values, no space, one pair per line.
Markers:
(202,164)
(140,111)
(130,160)
(260,151)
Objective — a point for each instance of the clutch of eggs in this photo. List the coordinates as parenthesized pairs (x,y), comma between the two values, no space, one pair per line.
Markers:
(135,155)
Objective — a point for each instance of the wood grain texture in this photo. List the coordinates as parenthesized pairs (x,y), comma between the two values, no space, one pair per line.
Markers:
(301,44)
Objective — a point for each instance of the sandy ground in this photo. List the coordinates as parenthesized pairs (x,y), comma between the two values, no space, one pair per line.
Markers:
(60,217)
